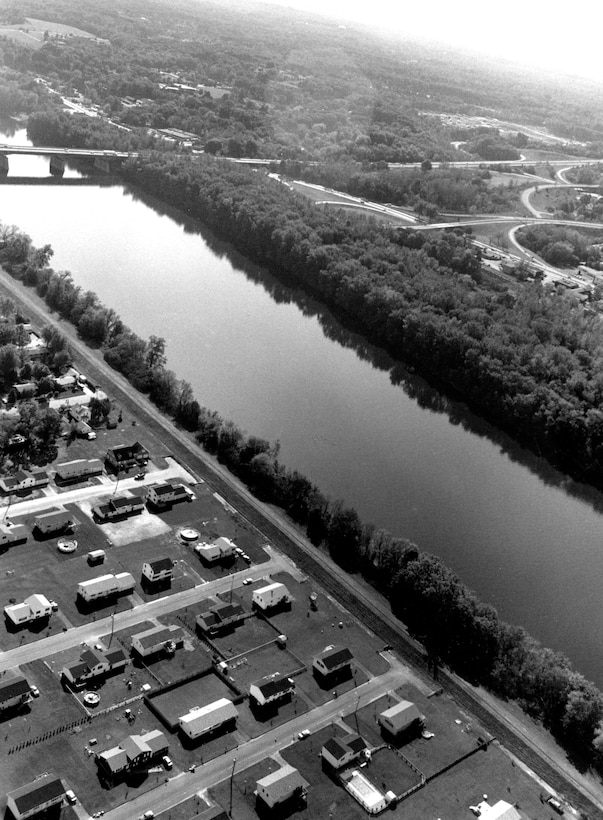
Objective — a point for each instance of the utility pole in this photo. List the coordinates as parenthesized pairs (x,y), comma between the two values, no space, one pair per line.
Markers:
(112,626)
(234,761)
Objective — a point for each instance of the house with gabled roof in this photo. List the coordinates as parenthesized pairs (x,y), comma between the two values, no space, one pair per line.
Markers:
(24,480)
(282,786)
(205,720)
(94,664)
(35,797)
(125,456)
(271,689)
(32,609)
(118,507)
(14,692)
(219,618)
(134,753)
(158,570)
(338,752)
(401,718)
(158,639)
(162,495)
(333,659)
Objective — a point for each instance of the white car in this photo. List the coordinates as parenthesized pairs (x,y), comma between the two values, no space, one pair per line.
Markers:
(70,795)
(247,581)
(304,733)
(167,762)
(34,691)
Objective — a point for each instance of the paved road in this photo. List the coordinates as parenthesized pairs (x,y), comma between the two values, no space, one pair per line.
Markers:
(552,766)
(253,751)
(91,632)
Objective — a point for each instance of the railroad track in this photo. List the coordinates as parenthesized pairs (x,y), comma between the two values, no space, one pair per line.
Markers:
(285,536)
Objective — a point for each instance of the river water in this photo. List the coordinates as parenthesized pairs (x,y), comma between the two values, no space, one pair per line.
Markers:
(525,537)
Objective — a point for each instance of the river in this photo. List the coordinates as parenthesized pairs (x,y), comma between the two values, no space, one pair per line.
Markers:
(526,538)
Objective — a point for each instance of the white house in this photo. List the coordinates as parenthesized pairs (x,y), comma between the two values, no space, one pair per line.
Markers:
(271,689)
(34,798)
(158,639)
(32,609)
(340,751)
(158,570)
(15,534)
(80,468)
(401,718)
(219,550)
(270,596)
(161,495)
(281,786)
(332,659)
(203,720)
(499,811)
(23,480)
(105,585)
(54,522)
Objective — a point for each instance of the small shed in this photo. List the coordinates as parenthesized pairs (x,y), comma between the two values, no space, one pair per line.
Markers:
(401,718)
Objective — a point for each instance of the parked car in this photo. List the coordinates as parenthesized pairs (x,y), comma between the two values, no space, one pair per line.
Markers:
(167,762)
(34,691)
(139,477)
(54,606)
(247,581)
(555,804)
(70,796)
(304,733)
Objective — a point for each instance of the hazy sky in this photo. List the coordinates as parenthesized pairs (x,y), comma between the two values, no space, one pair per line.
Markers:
(567,36)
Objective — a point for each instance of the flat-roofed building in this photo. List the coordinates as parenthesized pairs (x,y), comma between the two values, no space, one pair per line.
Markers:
(205,720)
(14,692)
(402,718)
(282,786)
(271,689)
(333,659)
(158,639)
(34,798)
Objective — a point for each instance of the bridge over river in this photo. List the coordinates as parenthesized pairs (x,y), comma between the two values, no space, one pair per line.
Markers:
(103,160)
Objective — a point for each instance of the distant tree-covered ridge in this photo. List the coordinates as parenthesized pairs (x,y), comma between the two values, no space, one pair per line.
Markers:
(453,625)
(272,82)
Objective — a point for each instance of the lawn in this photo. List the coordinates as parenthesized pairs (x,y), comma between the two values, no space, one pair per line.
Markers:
(199,692)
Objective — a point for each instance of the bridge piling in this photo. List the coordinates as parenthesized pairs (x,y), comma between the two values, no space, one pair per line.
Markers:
(3,165)
(57,166)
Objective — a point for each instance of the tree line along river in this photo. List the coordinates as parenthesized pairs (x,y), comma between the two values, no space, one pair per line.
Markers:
(524,537)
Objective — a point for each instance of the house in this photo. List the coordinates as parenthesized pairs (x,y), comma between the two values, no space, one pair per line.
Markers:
(218,550)
(219,618)
(118,507)
(14,692)
(22,392)
(34,798)
(15,534)
(158,639)
(338,752)
(134,753)
(401,718)
(271,689)
(270,596)
(31,609)
(158,570)
(54,522)
(105,586)
(499,811)
(162,495)
(23,480)
(78,469)
(125,456)
(204,720)
(332,659)
(281,786)
(94,664)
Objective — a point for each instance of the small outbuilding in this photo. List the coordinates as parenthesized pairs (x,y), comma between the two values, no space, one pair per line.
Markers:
(282,786)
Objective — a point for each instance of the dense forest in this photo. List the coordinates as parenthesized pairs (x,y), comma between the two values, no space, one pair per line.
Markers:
(563,246)
(454,626)
(274,82)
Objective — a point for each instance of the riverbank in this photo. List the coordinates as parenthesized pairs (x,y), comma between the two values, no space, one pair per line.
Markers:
(519,734)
